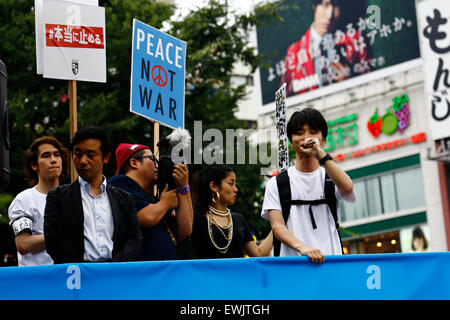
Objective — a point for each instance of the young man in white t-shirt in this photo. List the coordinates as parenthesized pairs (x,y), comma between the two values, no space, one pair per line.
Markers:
(46,164)
(313,235)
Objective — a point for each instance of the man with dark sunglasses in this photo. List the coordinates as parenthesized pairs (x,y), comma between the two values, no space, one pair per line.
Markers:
(137,173)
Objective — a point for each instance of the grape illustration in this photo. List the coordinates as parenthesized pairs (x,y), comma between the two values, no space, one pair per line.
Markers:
(403,117)
(402,111)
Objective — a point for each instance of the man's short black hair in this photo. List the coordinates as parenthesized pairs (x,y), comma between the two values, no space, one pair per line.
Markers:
(92,132)
(309,116)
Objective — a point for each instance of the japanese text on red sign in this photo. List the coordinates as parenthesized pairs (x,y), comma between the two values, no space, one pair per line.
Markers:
(58,35)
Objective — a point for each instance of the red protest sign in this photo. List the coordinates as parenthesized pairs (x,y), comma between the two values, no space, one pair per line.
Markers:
(59,35)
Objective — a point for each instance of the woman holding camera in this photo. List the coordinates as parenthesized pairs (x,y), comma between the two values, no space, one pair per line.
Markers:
(218,233)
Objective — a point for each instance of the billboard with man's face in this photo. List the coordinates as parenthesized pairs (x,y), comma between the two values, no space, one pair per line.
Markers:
(321,43)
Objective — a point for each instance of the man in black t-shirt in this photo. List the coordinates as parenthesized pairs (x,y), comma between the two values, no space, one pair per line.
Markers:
(163,221)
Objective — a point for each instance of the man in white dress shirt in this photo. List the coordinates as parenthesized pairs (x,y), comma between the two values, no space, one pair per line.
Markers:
(90,220)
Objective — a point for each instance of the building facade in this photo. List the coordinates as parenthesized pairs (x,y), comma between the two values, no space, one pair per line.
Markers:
(397,185)
(380,134)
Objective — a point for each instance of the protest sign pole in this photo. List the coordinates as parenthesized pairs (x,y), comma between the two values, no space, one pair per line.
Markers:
(156,139)
(155,148)
(73,120)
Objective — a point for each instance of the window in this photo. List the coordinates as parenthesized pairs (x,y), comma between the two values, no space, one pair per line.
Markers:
(374,203)
(409,189)
(388,193)
(358,209)
(385,193)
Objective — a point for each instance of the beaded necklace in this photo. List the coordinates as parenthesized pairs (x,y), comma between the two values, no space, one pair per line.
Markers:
(219,212)
(212,220)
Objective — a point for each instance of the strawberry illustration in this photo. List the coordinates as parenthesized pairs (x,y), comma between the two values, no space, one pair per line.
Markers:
(374,124)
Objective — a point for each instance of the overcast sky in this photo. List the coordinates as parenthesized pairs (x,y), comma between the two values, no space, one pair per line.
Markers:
(184,6)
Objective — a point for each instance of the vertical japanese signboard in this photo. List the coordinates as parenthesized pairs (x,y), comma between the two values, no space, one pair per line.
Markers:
(434,31)
(157,75)
(74,46)
(280,112)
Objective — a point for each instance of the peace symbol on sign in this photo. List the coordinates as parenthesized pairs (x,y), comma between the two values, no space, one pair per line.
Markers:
(159,77)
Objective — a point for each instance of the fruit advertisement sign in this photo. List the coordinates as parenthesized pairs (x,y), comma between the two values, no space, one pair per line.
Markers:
(395,118)
(382,126)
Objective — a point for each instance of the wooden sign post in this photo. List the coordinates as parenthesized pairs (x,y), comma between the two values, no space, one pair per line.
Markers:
(155,149)
(73,121)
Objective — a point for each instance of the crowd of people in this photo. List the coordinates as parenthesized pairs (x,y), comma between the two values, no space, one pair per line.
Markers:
(121,218)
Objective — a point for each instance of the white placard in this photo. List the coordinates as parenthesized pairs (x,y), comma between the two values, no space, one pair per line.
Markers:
(74,44)
(74,41)
(434,33)
(38,17)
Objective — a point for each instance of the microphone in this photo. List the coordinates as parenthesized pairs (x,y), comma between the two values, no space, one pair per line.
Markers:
(180,136)
(309,145)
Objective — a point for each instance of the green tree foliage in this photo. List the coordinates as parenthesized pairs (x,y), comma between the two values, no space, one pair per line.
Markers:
(34,101)
(40,106)
(5,201)
(217,38)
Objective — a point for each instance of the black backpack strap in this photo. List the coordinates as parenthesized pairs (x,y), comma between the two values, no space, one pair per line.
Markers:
(310,203)
(330,197)
(284,192)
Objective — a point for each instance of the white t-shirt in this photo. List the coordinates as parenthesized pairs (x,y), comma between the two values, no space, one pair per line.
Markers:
(307,186)
(27,212)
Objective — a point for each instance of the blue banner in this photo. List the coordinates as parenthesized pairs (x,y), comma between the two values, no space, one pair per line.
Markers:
(357,277)
(157,75)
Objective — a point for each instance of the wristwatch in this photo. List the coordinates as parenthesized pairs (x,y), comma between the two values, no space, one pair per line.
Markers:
(184,190)
(325,159)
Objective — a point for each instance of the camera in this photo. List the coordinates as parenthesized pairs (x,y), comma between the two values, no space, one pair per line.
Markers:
(165,166)
(178,138)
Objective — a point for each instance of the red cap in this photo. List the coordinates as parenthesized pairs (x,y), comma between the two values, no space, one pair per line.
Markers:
(125,151)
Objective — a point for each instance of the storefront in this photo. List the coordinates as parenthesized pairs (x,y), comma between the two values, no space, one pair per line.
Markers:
(382,143)
(383,140)
(390,205)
